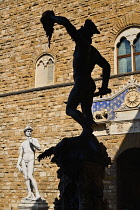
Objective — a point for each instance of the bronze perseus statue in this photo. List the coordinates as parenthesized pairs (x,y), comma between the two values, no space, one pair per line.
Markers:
(85,57)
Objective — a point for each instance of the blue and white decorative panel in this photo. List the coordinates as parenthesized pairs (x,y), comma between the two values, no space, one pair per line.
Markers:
(121,108)
(111,105)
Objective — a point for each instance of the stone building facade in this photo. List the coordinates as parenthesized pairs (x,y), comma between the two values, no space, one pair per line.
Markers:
(23,102)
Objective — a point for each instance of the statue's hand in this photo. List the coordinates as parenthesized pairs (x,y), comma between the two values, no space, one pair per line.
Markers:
(40,157)
(19,168)
(30,140)
(104,91)
(46,153)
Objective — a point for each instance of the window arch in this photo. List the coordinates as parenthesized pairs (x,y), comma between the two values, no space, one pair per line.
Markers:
(44,71)
(127,51)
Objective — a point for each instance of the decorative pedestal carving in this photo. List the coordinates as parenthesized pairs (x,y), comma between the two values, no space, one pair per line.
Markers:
(33,205)
(81,161)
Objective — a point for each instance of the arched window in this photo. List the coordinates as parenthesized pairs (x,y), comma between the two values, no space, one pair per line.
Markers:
(124,56)
(44,71)
(127,51)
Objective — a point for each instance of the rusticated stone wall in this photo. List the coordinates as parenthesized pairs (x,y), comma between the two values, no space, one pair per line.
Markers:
(45,112)
(23,39)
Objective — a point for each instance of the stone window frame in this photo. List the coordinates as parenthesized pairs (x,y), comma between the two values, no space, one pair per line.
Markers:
(130,34)
(44,66)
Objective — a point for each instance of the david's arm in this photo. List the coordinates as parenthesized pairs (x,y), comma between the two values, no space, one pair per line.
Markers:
(35,143)
(20,159)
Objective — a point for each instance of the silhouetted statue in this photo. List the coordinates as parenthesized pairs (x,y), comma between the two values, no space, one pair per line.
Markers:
(82,161)
(85,57)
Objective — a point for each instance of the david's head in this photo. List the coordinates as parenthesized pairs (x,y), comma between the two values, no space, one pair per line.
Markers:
(28,131)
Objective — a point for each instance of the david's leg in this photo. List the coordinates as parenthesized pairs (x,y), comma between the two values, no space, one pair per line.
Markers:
(27,181)
(33,181)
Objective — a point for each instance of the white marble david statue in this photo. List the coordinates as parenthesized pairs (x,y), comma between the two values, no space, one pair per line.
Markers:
(25,163)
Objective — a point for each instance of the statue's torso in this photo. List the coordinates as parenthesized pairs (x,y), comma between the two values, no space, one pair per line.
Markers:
(84,60)
(28,150)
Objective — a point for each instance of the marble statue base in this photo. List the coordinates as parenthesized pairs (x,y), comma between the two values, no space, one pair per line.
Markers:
(33,204)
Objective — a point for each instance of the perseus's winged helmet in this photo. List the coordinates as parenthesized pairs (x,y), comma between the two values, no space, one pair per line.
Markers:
(91,27)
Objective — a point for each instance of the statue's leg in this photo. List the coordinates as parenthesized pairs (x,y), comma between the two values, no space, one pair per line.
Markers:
(27,181)
(86,109)
(86,104)
(33,181)
(71,108)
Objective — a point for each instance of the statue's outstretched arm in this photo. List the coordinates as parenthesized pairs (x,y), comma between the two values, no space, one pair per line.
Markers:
(59,20)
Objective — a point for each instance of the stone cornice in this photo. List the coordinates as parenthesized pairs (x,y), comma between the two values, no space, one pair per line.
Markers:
(36,89)
(60,85)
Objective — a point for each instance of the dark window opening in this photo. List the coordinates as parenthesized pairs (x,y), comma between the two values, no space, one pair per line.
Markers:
(128,179)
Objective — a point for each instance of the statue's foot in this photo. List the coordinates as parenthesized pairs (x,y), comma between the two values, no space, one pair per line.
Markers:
(37,198)
(89,131)
(28,197)
(86,132)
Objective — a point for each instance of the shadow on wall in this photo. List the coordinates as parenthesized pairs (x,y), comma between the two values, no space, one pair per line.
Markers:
(126,169)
